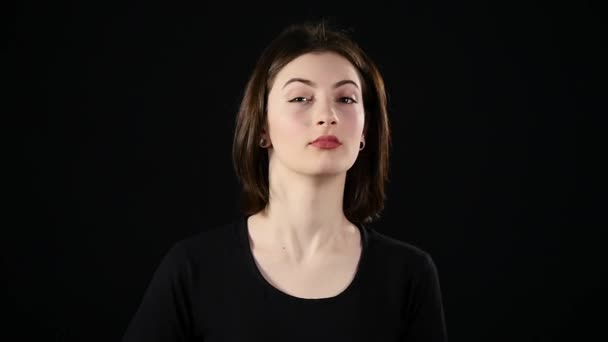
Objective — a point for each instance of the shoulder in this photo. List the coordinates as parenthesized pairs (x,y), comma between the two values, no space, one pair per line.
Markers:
(393,251)
(209,243)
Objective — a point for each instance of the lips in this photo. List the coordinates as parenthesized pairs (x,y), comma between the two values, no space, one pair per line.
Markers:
(326,142)
(328,138)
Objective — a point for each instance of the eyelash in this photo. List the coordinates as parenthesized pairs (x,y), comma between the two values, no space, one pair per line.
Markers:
(344,97)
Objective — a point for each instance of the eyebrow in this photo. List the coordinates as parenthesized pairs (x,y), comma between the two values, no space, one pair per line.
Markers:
(313,84)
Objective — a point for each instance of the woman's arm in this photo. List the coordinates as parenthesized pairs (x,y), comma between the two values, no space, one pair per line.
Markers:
(165,314)
(425,321)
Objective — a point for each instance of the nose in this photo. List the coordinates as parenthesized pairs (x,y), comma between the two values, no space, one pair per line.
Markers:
(326,113)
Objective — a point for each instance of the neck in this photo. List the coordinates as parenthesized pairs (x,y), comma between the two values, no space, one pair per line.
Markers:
(304,216)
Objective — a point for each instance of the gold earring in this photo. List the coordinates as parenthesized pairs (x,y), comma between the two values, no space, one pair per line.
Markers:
(362,145)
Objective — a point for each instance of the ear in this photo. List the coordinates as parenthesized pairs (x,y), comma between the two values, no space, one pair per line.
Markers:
(264,134)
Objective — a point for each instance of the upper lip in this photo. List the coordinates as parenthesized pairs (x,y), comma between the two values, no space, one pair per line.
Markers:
(326,138)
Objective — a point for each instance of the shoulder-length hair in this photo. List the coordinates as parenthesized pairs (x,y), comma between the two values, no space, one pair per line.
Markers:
(364,192)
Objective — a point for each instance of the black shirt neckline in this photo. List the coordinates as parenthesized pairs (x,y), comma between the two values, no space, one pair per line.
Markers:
(243,236)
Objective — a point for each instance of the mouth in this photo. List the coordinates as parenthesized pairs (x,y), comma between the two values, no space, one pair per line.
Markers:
(327,138)
(326,144)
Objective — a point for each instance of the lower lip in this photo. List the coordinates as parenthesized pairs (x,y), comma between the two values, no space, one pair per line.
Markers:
(326,144)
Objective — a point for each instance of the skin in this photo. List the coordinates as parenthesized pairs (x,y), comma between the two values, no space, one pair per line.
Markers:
(304,221)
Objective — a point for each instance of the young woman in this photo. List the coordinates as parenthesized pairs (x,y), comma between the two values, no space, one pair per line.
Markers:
(311,150)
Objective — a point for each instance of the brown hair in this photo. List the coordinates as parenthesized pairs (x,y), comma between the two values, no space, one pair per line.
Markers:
(364,192)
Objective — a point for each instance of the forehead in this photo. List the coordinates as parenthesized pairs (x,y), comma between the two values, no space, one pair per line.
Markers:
(322,68)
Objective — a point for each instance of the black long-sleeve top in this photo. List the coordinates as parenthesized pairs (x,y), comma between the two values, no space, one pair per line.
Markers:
(208,288)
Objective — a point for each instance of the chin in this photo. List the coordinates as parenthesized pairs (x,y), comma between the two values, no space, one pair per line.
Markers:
(334,170)
(323,167)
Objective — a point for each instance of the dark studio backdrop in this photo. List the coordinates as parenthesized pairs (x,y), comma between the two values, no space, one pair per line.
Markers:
(127,142)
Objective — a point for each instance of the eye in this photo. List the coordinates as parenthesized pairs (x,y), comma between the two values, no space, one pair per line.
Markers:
(348,100)
(299,99)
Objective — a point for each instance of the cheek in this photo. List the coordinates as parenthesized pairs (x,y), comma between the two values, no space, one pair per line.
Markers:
(353,120)
(286,123)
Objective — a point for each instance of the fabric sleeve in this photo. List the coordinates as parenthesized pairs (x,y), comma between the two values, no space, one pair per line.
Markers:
(425,321)
(164,314)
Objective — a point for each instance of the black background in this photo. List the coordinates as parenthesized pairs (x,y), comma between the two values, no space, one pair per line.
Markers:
(128,112)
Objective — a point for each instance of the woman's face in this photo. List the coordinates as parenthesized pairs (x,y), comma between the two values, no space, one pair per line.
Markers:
(315,94)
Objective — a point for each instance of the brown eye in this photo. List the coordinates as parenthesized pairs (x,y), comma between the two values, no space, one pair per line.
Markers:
(348,100)
(299,99)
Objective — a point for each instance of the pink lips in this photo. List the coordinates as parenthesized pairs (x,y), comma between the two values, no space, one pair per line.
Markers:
(326,142)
